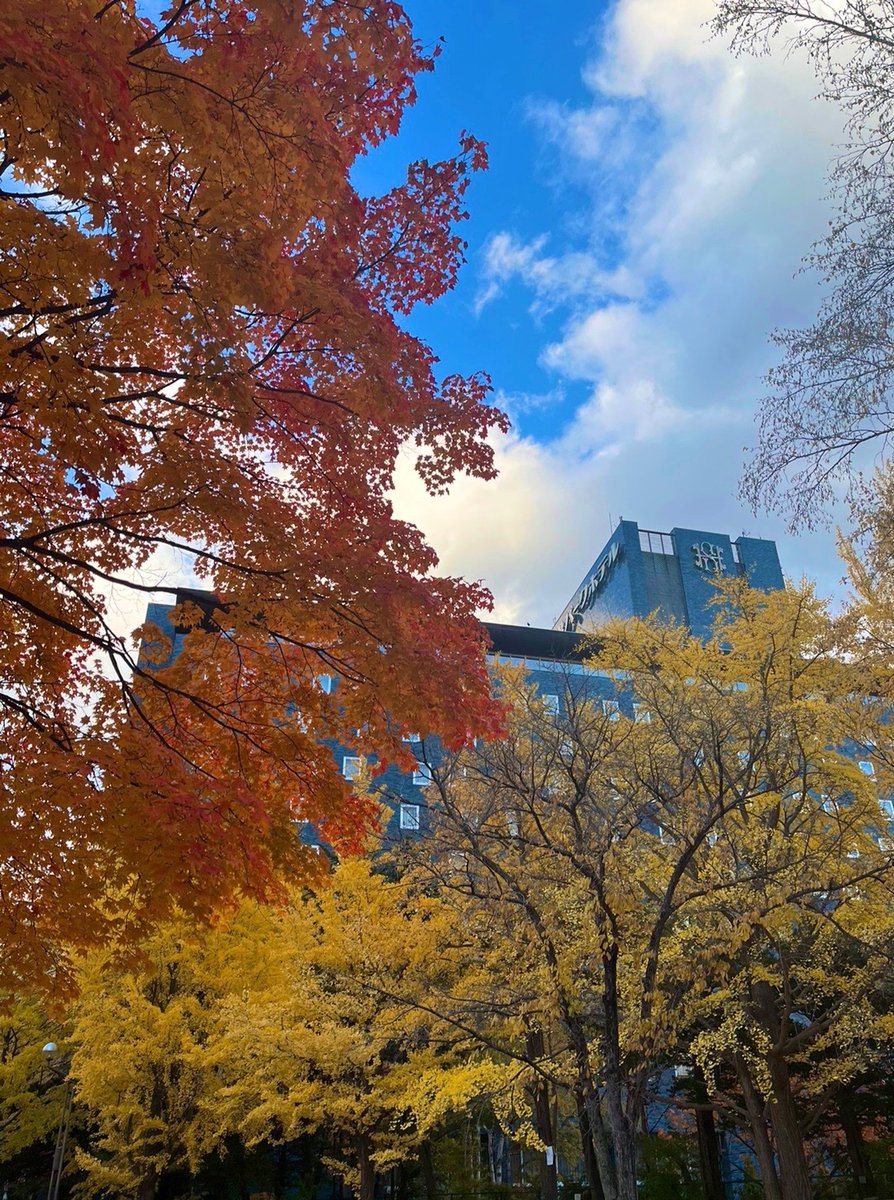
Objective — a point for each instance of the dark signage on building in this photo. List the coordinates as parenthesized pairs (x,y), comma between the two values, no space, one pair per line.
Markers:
(592,587)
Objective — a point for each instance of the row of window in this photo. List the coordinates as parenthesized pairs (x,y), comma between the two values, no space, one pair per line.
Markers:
(555,666)
(351,767)
(612,708)
(409,819)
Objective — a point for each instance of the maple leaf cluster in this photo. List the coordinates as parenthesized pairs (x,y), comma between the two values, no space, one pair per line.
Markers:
(203,365)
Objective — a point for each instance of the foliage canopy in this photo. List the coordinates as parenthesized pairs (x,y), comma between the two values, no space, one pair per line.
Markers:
(204,365)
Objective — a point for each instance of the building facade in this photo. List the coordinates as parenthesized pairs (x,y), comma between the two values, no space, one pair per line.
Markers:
(640,572)
(637,573)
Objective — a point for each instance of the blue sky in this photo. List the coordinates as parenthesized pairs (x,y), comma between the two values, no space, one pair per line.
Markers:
(636,239)
(498,60)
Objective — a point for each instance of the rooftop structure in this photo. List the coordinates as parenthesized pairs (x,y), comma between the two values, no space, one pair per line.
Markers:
(640,572)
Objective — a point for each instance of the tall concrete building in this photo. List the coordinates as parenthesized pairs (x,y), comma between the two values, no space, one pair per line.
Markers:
(638,572)
(641,571)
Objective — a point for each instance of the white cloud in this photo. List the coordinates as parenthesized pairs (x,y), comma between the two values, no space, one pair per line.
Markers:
(596,340)
(708,171)
(550,278)
(648,41)
(523,535)
(518,404)
(614,416)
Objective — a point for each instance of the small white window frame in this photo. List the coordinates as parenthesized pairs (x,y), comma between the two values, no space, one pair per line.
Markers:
(422,774)
(351,767)
(551,703)
(409,817)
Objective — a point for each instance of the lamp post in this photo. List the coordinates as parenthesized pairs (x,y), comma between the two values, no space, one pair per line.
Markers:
(62,1131)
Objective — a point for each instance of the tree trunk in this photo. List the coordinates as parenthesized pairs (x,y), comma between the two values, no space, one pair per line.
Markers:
(864,1180)
(367,1172)
(281,1174)
(794,1177)
(708,1147)
(427,1163)
(148,1186)
(587,1096)
(588,1152)
(547,1170)
(759,1133)
(516,1167)
(620,1127)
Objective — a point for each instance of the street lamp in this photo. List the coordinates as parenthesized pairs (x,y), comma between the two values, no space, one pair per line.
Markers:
(64,1122)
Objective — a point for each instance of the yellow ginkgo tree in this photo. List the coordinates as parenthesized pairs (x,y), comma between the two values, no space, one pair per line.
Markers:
(331,1050)
(273,1025)
(140,1064)
(690,804)
(32,1084)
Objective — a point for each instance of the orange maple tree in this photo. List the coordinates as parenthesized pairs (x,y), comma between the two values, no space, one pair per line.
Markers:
(204,356)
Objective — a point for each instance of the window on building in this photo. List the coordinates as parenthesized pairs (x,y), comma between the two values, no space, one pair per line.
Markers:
(411,737)
(422,774)
(866,767)
(830,806)
(665,836)
(350,767)
(886,845)
(409,816)
(324,683)
(641,714)
(551,704)
(887,807)
(653,542)
(612,709)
